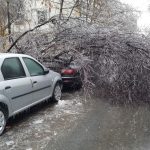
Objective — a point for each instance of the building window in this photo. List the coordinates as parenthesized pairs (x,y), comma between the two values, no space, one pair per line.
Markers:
(42,16)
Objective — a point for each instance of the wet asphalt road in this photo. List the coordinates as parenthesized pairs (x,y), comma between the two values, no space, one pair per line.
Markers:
(74,124)
(108,127)
(34,129)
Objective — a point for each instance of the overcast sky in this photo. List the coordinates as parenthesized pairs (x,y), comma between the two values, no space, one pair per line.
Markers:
(143,6)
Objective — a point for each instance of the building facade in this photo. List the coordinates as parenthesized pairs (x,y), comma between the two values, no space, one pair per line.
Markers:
(38,11)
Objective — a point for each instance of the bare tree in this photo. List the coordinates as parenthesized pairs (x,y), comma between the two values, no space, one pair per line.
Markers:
(61,8)
(15,9)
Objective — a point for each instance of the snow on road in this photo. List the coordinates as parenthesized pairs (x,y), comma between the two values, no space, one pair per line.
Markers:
(34,129)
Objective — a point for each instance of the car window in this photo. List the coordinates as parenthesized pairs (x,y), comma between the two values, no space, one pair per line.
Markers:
(34,68)
(12,69)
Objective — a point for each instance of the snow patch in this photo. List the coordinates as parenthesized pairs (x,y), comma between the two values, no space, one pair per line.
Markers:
(8,143)
(38,121)
(62,103)
(55,133)
(79,104)
(29,149)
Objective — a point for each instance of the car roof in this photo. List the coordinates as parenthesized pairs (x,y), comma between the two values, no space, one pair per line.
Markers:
(4,55)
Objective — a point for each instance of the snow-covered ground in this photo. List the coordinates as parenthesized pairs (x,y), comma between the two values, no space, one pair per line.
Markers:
(33,130)
(72,124)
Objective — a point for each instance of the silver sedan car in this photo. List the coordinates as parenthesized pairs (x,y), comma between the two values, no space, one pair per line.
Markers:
(24,82)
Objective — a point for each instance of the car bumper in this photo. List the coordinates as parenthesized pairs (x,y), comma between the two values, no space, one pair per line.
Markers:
(70,81)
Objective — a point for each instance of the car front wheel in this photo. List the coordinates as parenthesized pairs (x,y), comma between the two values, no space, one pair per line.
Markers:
(57,93)
(2,120)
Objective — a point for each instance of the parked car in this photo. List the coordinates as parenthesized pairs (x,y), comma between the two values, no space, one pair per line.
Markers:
(24,82)
(68,67)
(71,75)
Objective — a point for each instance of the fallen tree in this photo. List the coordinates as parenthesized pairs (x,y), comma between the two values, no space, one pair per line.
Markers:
(113,63)
(114,59)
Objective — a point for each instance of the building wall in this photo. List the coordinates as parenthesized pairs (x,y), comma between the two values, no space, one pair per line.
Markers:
(36,8)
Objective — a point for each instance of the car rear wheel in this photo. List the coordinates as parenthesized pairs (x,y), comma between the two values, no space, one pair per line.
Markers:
(2,120)
(57,93)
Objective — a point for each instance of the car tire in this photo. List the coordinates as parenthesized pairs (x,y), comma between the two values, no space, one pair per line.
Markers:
(57,93)
(3,119)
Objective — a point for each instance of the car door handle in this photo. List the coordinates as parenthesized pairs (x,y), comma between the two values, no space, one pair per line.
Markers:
(7,87)
(34,82)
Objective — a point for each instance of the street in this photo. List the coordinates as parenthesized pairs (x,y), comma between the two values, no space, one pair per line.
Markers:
(74,124)
(32,130)
(108,127)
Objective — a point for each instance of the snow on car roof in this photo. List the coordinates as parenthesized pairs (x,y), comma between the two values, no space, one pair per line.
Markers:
(3,55)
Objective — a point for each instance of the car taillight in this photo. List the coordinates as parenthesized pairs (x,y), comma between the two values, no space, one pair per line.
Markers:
(68,71)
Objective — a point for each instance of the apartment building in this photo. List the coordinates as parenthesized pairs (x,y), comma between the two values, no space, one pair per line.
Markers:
(38,11)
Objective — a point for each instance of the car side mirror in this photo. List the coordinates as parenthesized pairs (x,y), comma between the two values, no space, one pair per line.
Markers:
(46,71)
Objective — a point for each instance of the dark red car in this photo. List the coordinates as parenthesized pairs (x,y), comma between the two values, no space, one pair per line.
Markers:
(71,75)
(68,68)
